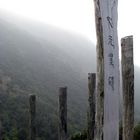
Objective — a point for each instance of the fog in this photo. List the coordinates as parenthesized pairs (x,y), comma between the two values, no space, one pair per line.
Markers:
(45,44)
(77,16)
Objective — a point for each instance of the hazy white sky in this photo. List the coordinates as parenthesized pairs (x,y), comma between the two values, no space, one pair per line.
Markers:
(78,16)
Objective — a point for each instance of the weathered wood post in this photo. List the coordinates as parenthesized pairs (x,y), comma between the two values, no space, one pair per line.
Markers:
(99,73)
(0,130)
(32,121)
(62,113)
(91,108)
(128,87)
(107,120)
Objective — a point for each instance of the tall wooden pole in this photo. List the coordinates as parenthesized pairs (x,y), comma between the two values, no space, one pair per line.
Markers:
(91,108)
(128,87)
(62,113)
(32,102)
(107,127)
(100,73)
(0,130)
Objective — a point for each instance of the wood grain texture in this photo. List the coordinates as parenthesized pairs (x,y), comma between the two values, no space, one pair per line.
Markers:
(0,130)
(128,87)
(99,73)
(91,105)
(62,113)
(32,102)
(107,121)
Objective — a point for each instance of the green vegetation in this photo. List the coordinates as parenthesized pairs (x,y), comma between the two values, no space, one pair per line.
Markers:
(32,65)
(137,132)
(34,61)
(83,135)
(79,136)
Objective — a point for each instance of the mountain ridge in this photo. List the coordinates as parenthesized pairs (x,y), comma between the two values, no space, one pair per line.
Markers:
(38,60)
(32,65)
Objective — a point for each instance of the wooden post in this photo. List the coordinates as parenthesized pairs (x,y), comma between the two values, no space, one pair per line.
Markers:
(100,74)
(107,120)
(91,109)
(0,130)
(62,113)
(32,102)
(128,87)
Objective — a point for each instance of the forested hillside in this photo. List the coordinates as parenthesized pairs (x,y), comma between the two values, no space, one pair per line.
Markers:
(38,59)
(31,64)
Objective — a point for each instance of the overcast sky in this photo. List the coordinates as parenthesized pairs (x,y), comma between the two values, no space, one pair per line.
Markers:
(78,16)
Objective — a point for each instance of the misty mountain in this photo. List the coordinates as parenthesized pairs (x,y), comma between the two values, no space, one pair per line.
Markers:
(38,60)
